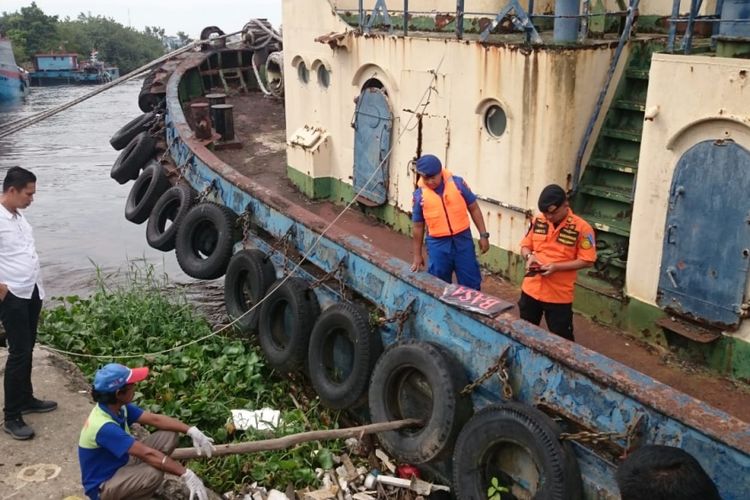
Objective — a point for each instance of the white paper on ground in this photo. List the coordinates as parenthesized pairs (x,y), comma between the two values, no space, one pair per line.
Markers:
(263,419)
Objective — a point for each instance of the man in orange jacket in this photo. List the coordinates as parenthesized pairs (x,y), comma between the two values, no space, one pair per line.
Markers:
(557,244)
(441,203)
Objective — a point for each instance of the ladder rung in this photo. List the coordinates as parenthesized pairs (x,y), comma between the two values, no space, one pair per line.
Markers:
(608,193)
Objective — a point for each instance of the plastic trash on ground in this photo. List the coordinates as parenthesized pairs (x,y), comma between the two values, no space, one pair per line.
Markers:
(262,420)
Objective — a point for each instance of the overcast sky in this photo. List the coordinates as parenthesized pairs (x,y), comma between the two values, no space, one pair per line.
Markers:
(190,16)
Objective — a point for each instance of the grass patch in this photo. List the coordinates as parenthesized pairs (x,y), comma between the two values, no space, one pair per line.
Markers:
(199,383)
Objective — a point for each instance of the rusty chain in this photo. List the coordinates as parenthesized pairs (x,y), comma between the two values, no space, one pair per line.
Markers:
(282,245)
(244,221)
(399,317)
(337,269)
(590,437)
(500,367)
(203,195)
(632,434)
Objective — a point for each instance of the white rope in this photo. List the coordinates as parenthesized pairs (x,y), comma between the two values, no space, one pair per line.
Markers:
(422,104)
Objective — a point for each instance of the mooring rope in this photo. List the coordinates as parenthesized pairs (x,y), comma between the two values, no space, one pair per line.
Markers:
(21,124)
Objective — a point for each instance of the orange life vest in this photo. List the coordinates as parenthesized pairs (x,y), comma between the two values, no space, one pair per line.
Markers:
(446,215)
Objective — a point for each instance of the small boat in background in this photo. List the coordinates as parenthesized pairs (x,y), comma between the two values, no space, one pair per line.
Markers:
(14,81)
(65,68)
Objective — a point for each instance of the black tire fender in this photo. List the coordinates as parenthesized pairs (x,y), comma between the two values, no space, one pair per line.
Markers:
(205,238)
(146,190)
(249,276)
(122,137)
(131,159)
(286,319)
(171,208)
(342,353)
(498,433)
(415,379)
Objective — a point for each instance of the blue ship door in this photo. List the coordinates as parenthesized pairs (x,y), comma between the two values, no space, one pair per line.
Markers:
(707,236)
(372,140)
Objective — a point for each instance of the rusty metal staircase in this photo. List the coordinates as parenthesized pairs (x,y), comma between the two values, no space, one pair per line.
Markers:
(605,194)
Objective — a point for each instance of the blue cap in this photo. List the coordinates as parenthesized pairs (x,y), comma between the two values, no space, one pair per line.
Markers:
(429,165)
(114,376)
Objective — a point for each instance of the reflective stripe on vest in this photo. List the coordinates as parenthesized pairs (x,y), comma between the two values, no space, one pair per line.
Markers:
(446,215)
(97,418)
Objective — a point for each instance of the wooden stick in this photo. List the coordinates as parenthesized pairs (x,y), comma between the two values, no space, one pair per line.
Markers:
(294,439)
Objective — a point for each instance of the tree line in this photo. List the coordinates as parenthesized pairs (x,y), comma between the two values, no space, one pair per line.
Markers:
(31,31)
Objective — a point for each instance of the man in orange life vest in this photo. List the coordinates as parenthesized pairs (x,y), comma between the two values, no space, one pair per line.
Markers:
(557,244)
(441,203)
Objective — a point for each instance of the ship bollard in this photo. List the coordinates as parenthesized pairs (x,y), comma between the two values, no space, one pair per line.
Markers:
(201,119)
(224,121)
(215,98)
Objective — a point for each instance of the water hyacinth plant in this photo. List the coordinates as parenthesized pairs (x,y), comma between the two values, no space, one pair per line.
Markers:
(144,317)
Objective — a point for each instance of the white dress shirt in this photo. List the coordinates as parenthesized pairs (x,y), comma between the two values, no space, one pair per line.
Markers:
(19,262)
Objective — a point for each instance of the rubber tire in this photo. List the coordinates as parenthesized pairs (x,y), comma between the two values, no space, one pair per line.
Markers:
(352,323)
(287,354)
(391,394)
(173,205)
(211,226)
(249,276)
(145,192)
(128,131)
(131,159)
(520,425)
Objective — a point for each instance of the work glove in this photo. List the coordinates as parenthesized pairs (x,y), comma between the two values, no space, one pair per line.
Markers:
(195,485)
(202,443)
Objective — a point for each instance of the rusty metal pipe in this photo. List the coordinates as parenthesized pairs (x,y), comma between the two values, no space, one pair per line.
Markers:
(213,99)
(201,120)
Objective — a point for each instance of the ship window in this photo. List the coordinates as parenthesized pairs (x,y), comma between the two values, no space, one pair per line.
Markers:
(324,77)
(495,120)
(303,73)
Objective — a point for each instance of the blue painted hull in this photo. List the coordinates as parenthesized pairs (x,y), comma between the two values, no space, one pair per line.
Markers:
(566,378)
(12,89)
(69,77)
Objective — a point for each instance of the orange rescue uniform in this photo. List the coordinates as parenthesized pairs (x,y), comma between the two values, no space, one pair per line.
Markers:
(572,239)
(444,215)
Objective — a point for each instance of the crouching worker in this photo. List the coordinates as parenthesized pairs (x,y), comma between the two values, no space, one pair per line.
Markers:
(114,464)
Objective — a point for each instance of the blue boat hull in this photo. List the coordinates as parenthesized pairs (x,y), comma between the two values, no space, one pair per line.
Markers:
(11,88)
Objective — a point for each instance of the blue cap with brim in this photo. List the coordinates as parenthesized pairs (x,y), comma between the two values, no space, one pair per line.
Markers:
(114,376)
(429,165)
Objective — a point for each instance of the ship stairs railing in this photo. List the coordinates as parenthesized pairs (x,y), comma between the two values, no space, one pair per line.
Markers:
(377,13)
(692,18)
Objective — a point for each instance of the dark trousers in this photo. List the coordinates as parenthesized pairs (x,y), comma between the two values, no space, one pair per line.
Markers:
(559,317)
(20,318)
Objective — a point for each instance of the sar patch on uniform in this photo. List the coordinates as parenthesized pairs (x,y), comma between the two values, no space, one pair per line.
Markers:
(540,227)
(588,241)
(568,236)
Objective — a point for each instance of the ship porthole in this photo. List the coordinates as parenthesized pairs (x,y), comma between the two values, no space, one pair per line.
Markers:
(495,120)
(324,76)
(303,73)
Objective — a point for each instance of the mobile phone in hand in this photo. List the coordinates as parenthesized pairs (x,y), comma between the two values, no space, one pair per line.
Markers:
(533,270)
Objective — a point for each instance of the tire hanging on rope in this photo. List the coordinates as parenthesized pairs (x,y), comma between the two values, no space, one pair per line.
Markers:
(414,379)
(520,447)
(131,159)
(145,192)
(342,353)
(127,132)
(167,215)
(286,319)
(249,276)
(205,239)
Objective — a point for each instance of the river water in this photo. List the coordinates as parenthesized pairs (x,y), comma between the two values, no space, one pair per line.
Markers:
(78,211)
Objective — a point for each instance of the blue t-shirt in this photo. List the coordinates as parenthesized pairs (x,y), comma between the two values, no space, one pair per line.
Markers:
(100,463)
(416,211)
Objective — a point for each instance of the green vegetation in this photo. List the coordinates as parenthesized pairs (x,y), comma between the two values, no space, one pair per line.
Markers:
(198,384)
(495,489)
(32,31)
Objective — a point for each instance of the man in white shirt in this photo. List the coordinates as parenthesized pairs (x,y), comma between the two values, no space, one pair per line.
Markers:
(21,295)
